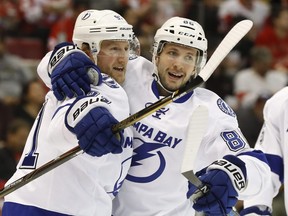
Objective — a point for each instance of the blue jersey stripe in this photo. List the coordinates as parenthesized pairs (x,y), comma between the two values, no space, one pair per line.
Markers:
(276,165)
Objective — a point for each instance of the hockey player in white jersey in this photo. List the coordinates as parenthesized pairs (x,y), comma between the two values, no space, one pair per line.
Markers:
(86,184)
(273,141)
(154,184)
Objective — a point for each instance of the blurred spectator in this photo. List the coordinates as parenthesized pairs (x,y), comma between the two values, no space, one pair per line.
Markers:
(139,14)
(255,10)
(206,13)
(166,9)
(5,117)
(11,149)
(26,48)
(35,10)
(221,81)
(233,11)
(37,17)
(275,37)
(9,16)
(62,29)
(104,4)
(257,79)
(13,74)
(32,98)
(250,118)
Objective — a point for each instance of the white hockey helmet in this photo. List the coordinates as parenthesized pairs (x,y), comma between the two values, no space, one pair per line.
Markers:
(94,26)
(185,32)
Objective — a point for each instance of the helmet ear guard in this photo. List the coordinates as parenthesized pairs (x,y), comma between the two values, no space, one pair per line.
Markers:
(135,48)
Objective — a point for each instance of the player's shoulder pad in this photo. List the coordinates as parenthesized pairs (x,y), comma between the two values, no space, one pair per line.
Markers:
(82,105)
(217,104)
(61,51)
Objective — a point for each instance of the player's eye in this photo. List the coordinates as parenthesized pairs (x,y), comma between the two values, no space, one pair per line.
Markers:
(172,53)
(189,58)
(115,49)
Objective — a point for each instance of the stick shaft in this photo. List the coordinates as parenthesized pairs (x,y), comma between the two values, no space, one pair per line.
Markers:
(40,171)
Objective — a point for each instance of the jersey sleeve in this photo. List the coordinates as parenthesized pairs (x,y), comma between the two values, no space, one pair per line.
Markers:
(42,70)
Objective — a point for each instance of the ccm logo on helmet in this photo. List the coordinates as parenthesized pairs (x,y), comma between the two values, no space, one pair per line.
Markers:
(186,34)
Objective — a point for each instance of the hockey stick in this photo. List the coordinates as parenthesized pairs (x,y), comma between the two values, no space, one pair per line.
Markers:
(197,126)
(198,123)
(226,45)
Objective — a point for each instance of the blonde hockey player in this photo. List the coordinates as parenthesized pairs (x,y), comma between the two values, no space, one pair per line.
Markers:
(86,184)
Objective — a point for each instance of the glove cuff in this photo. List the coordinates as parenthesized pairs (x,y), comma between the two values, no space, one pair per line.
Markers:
(237,174)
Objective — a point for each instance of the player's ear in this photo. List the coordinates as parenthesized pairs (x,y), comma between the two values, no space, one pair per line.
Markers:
(157,60)
(86,48)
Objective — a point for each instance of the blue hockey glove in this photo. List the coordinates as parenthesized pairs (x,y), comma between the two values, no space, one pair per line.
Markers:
(225,178)
(72,71)
(256,210)
(95,135)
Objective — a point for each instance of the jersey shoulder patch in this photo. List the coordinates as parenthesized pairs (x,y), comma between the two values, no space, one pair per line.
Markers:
(224,107)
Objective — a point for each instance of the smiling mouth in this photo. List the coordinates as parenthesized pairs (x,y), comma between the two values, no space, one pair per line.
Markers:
(175,75)
(120,69)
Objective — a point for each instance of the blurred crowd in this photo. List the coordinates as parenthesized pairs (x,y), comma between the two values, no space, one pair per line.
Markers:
(253,71)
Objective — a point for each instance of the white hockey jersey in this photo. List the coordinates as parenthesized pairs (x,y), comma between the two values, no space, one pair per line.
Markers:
(83,186)
(154,185)
(273,141)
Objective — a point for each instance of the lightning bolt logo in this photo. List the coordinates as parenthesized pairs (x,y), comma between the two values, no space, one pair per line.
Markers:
(120,180)
(144,152)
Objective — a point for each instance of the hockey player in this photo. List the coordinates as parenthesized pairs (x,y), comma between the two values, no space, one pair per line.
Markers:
(154,184)
(272,141)
(85,185)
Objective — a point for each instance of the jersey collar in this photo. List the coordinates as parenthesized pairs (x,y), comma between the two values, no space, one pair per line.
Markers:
(180,100)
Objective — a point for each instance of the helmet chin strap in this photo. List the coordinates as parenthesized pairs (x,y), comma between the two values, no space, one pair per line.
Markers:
(157,79)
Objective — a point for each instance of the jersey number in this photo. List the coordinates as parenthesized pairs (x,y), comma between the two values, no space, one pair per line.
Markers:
(233,140)
(30,159)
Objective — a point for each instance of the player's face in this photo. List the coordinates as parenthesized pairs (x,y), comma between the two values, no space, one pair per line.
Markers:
(113,58)
(175,65)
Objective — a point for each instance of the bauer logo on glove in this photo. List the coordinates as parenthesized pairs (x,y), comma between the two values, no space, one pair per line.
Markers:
(59,54)
(82,106)
(233,171)
(72,71)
